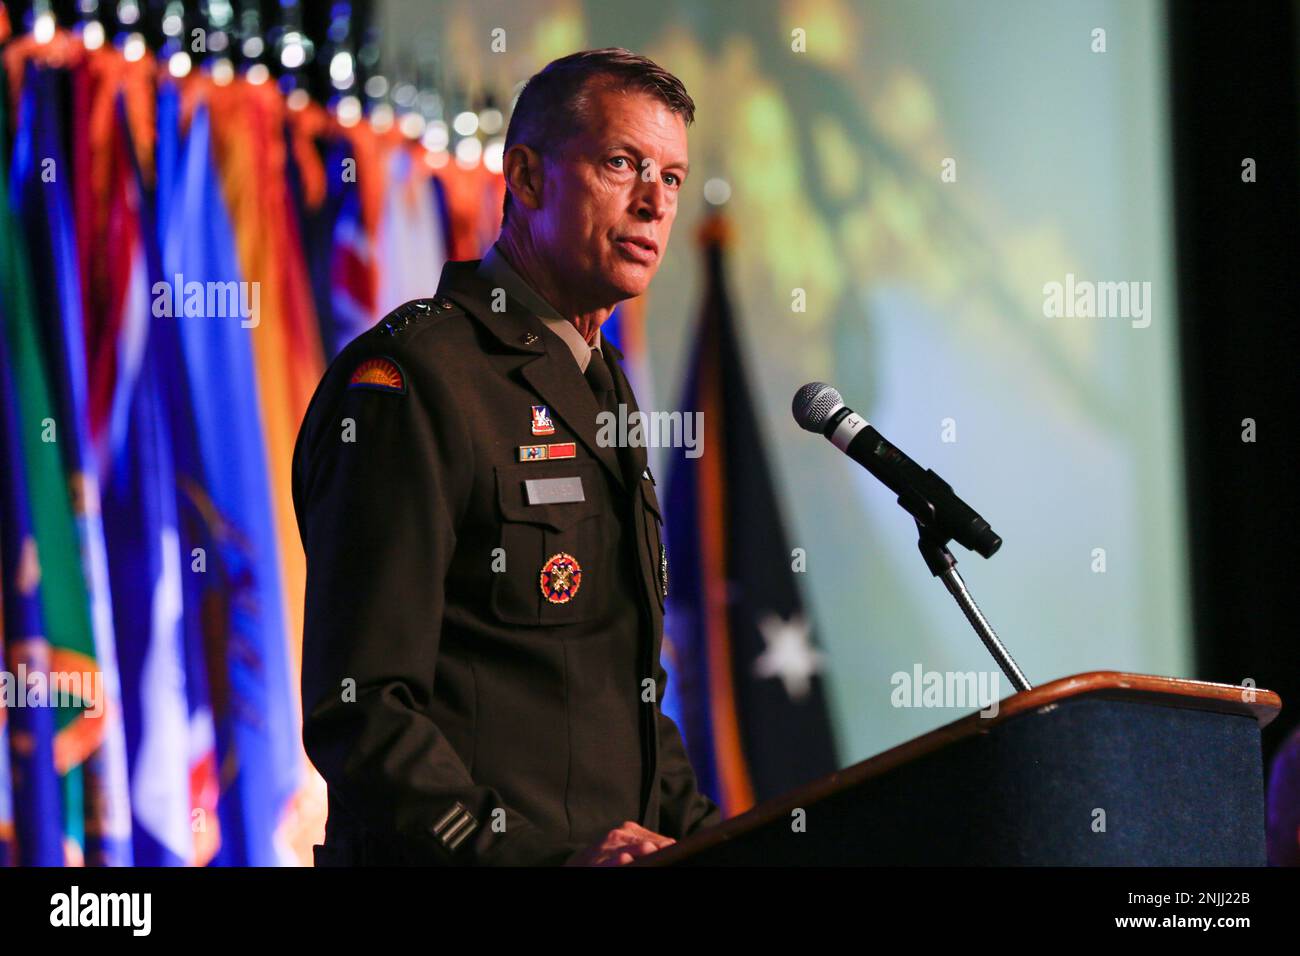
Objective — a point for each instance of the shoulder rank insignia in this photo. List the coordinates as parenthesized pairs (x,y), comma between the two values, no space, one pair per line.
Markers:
(407,315)
(380,374)
(560,578)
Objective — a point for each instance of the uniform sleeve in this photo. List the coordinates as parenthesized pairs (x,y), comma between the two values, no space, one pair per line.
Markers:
(378,474)
(683,807)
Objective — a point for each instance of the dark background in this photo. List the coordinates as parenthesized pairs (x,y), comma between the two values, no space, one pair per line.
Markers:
(1238,253)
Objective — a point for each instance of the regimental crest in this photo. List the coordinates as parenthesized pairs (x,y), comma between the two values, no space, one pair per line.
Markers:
(380,374)
(560,578)
(542,424)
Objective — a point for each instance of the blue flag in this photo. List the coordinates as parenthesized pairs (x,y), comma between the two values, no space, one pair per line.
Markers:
(45,211)
(749,696)
(244,635)
(37,837)
(141,528)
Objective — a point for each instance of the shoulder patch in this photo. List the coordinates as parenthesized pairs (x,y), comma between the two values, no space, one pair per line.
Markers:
(380,374)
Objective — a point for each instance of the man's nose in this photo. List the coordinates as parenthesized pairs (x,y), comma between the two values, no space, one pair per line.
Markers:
(652,200)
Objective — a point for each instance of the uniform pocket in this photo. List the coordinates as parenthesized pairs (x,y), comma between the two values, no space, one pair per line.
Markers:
(553,551)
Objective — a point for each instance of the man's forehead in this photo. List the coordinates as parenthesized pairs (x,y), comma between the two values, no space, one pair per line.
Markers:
(634,117)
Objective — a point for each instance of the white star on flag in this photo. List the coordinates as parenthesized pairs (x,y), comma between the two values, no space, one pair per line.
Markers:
(789,655)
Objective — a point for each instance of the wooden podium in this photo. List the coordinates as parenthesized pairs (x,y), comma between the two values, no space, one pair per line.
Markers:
(1105,768)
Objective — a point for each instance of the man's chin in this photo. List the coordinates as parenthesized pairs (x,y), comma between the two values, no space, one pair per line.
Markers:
(630,282)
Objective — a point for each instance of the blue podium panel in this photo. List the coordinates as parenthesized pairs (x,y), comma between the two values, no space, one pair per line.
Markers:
(1083,781)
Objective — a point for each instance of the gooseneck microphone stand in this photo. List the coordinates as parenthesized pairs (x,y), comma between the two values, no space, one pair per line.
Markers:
(934,549)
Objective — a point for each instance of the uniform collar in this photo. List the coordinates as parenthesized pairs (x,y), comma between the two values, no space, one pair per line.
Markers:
(516,327)
(550,368)
(496,269)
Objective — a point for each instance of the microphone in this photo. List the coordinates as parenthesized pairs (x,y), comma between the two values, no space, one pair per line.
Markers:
(819,407)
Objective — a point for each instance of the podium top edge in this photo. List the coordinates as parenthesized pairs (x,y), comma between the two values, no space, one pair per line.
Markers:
(1263,705)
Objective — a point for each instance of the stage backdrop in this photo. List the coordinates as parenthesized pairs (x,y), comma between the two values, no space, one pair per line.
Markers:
(915,177)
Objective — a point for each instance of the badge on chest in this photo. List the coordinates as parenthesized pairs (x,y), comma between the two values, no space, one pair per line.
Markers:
(560,578)
(561,575)
(555,528)
(541,421)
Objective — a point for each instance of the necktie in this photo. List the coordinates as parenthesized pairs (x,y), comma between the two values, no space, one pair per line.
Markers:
(601,381)
(602,386)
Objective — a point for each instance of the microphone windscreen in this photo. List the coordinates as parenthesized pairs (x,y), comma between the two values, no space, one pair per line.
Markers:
(814,404)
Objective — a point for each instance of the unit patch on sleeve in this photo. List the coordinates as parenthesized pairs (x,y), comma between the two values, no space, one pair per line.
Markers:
(380,374)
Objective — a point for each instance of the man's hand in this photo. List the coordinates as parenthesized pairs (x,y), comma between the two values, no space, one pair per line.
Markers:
(622,845)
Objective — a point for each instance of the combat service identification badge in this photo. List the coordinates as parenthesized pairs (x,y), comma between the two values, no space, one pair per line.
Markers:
(560,578)
(379,374)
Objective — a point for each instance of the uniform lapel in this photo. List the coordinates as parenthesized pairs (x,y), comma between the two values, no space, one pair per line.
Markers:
(552,374)
(556,379)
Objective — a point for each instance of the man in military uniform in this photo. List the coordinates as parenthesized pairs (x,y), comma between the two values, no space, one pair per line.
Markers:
(485,578)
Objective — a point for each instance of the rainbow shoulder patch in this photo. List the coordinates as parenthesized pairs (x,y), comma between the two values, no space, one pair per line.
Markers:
(380,374)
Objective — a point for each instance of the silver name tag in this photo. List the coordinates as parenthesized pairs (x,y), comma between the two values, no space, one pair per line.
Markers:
(554,491)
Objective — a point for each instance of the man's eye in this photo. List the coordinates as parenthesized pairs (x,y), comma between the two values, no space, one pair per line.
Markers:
(673,177)
(619,159)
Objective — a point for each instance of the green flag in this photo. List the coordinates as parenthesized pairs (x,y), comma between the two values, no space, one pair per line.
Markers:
(64,598)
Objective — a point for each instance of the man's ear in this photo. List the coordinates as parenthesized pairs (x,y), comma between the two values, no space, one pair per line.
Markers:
(522,166)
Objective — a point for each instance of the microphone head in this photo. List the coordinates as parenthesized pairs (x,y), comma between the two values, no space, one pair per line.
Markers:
(814,404)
